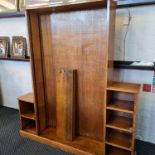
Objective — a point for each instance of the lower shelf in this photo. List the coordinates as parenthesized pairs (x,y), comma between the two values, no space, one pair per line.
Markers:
(116,151)
(29,125)
(122,106)
(121,123)
(119,139)
(80,146)
(31,130)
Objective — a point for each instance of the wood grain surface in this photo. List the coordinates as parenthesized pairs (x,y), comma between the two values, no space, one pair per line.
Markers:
(76,40)
(65,104)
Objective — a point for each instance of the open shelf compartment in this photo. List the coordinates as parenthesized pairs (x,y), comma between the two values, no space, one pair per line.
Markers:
(118,105)
(110,150)
(27,110)
(124,87)
(119,120)
(119,139)
(120,101)
(28,125)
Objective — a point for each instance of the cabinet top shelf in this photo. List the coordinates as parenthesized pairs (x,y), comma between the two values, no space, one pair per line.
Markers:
(124,87)
(27,98)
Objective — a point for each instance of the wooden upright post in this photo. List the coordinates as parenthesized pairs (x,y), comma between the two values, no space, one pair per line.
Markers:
(65,104)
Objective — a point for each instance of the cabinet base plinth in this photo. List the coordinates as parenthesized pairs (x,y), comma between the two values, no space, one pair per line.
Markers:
(80,146)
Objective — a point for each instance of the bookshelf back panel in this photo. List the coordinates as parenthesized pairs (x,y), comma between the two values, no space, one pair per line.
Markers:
(76,40)
(114,96)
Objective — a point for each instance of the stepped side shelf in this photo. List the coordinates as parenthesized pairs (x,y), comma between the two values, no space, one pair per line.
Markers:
(27,113)
(121,108)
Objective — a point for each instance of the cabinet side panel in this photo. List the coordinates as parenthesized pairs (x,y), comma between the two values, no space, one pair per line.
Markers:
(48,70)
(36,63)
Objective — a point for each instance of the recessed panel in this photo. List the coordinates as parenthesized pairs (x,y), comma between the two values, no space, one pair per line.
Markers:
(77,41)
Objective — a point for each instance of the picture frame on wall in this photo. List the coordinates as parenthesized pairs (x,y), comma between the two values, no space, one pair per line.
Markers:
(9,6)
(19,47)
(4,47)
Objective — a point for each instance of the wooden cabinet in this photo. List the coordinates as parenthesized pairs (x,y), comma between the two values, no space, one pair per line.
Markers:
(71,48)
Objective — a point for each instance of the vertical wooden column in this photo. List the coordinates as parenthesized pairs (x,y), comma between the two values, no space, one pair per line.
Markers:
(134,123)
(65,104)
(37,70)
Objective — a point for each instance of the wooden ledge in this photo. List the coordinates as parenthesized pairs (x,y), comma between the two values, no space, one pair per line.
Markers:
(27,98)
(125,87)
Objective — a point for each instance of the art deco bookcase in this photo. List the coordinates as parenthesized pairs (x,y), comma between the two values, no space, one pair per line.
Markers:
(77,108)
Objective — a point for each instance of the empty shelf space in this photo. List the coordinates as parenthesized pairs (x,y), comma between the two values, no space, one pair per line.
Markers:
(120,101)
(120,105)
(124,87)
(29,115)
(119,139)
(31,129)
(110,150)
(26,108)
(121,123)
(119,120)
(28,125)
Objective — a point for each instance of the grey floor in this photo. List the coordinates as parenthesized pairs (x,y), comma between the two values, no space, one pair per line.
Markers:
(11,143)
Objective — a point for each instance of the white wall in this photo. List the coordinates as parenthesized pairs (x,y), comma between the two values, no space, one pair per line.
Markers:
(140,45)
(141,35)
(15,76)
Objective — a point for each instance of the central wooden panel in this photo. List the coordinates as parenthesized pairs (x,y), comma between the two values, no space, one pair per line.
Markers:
(76,41)
(65,104)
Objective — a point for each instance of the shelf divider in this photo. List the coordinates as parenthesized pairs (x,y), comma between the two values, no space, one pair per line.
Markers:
(29,116)
(120,123)
(122,106)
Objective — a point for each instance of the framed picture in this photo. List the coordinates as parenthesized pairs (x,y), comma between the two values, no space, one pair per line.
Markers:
(19,47)
(4,47)
(8,6)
